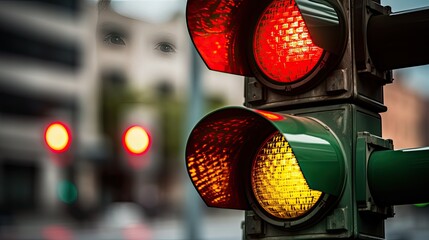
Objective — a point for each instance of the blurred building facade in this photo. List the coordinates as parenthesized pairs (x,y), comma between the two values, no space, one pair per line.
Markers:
(406,120)
(40,75)
(40,62)
(53,67)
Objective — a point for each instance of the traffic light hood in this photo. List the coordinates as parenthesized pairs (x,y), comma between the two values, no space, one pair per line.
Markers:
(222,146)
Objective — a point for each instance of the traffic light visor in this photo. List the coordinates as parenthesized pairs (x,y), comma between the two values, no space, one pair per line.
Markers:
(236,151)
(214,27)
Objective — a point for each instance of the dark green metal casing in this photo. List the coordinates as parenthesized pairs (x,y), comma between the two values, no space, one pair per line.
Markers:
(232,136)
(324,141)
(345,220)
(239,133)
(399,176)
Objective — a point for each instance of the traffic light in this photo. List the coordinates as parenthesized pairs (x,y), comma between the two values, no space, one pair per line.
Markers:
(305,160)
(136,140)
(127,123)
(58,139)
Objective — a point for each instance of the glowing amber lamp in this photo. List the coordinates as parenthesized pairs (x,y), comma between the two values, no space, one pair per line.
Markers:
(278,183)
(136,140)
(57,137)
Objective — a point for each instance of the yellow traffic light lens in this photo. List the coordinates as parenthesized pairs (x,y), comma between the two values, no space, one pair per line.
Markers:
(57,137)
(278,183)
(136,140)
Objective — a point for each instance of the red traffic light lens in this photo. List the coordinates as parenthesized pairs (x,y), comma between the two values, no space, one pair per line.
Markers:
(57,137)
(282,45)
(136,140)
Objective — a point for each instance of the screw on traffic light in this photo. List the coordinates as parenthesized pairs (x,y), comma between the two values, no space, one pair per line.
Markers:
(306,160)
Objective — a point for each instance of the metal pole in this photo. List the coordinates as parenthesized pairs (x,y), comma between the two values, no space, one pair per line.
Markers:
(195,109)
(399,40)
(399,176)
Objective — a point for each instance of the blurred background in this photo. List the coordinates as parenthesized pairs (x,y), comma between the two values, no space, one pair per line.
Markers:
(88,71)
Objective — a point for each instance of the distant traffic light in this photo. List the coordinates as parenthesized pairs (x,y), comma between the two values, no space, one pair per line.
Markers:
(58,137)
(58,140)
(136,140)
(306,162)
(138,129)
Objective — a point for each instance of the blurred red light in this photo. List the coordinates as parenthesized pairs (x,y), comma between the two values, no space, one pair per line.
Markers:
(56,232)
(136,140)
(137,232)
(57,137)
(282,46)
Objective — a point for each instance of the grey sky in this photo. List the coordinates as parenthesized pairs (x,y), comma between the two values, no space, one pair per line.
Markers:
(149,10)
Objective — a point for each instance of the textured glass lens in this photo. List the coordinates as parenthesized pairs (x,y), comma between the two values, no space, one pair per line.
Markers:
(283,47)
(213,26)
(278,183)
(213,160)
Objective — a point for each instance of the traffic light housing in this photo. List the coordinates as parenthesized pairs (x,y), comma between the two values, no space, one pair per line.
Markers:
(224,146)
(312,41)
(255,149)
(305,161)
(58,140)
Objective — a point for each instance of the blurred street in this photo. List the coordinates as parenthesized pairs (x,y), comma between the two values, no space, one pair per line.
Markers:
(218,226)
